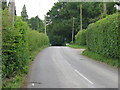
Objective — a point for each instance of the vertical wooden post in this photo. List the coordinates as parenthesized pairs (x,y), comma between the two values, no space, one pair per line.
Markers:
(73,31)
(104,8)
(12,11)
(80,16)
(45,23)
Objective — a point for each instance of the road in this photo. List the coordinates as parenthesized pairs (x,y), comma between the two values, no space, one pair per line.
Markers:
(65,67)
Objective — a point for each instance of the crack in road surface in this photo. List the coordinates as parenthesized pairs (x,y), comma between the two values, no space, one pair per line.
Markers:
(64,67)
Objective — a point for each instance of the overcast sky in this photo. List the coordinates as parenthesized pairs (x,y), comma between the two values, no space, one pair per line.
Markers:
(35,7)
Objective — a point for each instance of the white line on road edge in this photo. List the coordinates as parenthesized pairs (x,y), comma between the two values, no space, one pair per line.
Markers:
(84,77)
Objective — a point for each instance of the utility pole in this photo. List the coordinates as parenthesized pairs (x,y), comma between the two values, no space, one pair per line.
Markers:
(12,11)
(80,16)
(73,30)
(45,23)
(104,8)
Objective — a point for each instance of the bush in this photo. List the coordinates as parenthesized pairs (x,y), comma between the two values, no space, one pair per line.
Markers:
(80,38)
(36,40)
(19,42)
(102,37)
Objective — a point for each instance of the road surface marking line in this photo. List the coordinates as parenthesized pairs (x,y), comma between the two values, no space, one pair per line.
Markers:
(68,63)
(84,77)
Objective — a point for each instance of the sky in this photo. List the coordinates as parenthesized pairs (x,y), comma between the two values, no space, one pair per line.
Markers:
(35,7)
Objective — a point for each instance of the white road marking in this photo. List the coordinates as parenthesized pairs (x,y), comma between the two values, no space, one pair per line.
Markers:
(83,76)
(68,63)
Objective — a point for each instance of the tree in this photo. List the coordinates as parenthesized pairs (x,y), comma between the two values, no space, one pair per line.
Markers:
(24,14)
(59,19)
(36,24)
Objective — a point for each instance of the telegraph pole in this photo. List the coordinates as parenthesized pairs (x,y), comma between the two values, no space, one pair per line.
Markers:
(12,10)
(73,30)
(104,8)
(80,16)
(45,23)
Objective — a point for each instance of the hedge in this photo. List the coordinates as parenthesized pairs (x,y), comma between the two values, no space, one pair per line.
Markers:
(102,37)
(36,40)
(80,38)
(19,42)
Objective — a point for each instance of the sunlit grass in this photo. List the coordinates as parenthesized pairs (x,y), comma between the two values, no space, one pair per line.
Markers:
(98,57)
(77,46)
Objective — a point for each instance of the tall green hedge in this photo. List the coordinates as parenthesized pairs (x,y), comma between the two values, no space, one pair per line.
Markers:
(36,40)
(80,38)
(19,42)
(102,37)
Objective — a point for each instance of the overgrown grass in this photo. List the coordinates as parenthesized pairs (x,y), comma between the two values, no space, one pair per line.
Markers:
(76,46)
(109,61)
(18,80)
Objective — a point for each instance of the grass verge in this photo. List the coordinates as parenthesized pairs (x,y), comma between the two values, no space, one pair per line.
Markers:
(109,61)
(76,46)
(18,80)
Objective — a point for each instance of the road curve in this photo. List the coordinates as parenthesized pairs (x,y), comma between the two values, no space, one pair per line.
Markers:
(65,67)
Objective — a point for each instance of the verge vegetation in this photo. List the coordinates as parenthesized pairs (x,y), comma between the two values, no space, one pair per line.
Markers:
(102,40)
(76,46)
(20,45)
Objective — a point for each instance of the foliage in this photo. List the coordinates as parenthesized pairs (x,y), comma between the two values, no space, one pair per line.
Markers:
(60,23)
(109,9)
(14,83)
(24,14)
(36,40)
(60,33)
(4,4)
(19,80)
(14,46)
(95,56)
(102,37)
(80,38)
(18,43)
(36,24)
(76,46)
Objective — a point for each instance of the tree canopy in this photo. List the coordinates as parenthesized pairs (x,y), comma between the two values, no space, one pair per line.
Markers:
(36,24)
(60,19)
(24,13)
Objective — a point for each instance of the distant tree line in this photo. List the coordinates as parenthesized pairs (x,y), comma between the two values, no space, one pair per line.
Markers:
(60,18)
(35,23)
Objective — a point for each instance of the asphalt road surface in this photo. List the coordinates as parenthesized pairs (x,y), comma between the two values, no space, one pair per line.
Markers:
(65,67)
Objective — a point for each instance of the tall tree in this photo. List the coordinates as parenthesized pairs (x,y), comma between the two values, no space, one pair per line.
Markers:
(36,24)
(24,14)
(59,19)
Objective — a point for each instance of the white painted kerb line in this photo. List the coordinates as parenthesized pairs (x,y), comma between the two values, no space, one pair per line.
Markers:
(83,76)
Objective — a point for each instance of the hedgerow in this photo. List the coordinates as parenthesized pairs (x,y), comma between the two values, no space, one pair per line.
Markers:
(19,42)
(80,38)
(102,37)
